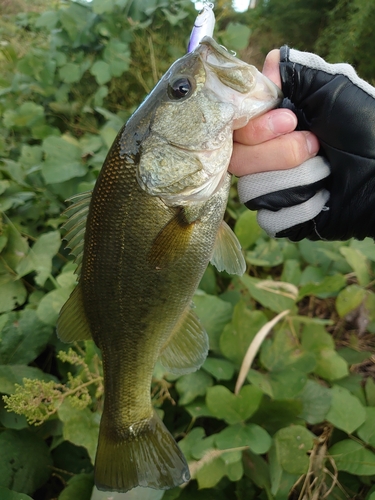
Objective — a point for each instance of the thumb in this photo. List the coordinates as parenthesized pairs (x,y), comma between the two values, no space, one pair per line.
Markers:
(271,66)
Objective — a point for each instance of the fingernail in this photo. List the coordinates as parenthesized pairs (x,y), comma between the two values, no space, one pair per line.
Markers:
(312,143)
(282,121)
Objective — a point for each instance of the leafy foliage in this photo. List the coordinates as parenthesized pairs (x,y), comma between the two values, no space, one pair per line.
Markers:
(301,422)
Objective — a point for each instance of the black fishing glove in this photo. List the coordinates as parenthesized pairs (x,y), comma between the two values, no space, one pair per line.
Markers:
(332,196)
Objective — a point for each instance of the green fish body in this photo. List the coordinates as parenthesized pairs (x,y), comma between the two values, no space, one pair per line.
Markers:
(142,241)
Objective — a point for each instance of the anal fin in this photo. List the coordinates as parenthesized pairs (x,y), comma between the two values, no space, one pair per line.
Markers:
(227,254)
(187,348)
(72,324)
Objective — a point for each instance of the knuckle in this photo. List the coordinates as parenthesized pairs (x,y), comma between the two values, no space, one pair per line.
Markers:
(297,150)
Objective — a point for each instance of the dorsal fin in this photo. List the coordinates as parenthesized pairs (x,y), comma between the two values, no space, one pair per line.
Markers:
(227,254)
(76,225)
(187,347)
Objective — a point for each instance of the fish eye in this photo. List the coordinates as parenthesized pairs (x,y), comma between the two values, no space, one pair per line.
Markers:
(180,88)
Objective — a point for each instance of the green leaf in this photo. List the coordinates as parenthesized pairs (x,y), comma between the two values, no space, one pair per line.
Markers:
(189,441)
(70,73)
(27,115)
(274,299)
(329,364)
(359,263)
(238,335)
(281,480)
(11,420)
(236,36)
(367,430)
(12,294)
(235,436)
(261,380)
(49,307)
(81,427)
(292,445)
(267,253)
(329,287)
(316,400)
(102,6)
(78,487)
(102,72)
(117,55)
(25,462)
(198,408)
(40,256)
(230,407)
(214,314)
(14,374)
(234,470)
(211,473)
(366,247)
(7,494)
(62,160)
(257,469)
(47,20)
(370,391)
(23,338)
(291,272)
(349,299)
(100,95)
(202,447)
(346,412)
(352,457)
(283,351)
(287,384)
(192,385)
(221,369)
(247,229)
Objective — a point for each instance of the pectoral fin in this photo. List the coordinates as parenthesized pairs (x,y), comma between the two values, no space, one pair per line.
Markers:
(72,324)
(187,348)
(171,242)
(227,254)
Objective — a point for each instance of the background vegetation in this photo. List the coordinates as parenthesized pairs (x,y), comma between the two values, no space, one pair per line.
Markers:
(301,425)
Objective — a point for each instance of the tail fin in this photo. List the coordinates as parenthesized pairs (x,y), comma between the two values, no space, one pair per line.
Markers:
(144,454)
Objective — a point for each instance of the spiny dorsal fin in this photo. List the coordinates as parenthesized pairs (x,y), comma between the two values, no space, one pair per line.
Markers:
(72,324)
(187,348)
(227,254)
(171,242)
(76,225)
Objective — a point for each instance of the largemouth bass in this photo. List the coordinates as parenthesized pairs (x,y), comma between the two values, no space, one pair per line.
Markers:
(142,241)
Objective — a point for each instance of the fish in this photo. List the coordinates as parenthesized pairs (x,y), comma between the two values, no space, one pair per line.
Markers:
(203,26)
(142,240)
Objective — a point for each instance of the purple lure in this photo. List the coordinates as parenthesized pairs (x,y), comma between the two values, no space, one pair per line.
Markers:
(203,26)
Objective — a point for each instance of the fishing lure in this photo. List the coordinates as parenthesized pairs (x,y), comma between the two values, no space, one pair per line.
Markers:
(203,26)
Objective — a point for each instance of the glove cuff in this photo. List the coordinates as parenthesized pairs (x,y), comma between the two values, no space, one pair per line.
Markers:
(315,62)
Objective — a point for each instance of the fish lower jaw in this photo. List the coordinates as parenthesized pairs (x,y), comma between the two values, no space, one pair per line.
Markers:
(257,108)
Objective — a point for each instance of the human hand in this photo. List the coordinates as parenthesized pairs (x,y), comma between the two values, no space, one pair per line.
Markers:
(331,196)
(270,142)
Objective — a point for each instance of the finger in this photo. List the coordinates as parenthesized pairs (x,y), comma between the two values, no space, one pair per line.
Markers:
(266,127)
(283,152)
(271,66)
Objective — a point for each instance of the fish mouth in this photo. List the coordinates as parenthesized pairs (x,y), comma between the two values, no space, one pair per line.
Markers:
(237,82)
